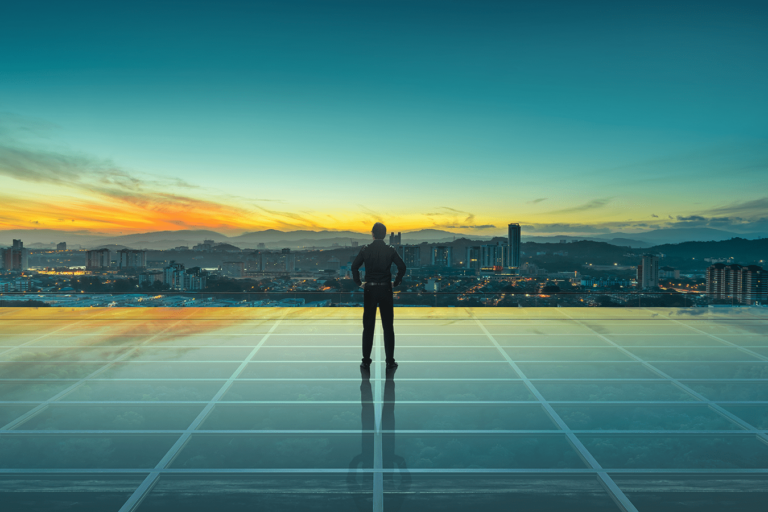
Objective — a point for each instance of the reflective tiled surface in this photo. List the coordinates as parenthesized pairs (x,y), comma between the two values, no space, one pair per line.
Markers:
(491,409)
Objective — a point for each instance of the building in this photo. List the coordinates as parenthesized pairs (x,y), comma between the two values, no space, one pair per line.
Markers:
(290,260)
(472,259)
(128,258)
(173,276)
(433,285)
(648,272)
(669,273)
(442,256)
(411,255)
(754,285)
(98,259)
(354,243)
(181,279)
(395,239)
(513,236)
(487,256)
(61,246)
(15,257)
(195,279)
(233,268)
(181,248)
(494,255)
(261,245)
(746,284)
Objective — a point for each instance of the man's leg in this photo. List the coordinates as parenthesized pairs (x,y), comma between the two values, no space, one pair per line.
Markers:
(386,307)
(369,323)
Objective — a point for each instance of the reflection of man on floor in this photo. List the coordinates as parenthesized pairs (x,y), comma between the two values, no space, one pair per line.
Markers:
(378,258)
(396,492)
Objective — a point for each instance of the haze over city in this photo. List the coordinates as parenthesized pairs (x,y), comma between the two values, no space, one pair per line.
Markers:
(569,118)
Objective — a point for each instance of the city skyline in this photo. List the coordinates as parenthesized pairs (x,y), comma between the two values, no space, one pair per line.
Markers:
(274,116)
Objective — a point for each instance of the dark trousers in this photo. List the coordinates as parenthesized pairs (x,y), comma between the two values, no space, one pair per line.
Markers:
(381,297)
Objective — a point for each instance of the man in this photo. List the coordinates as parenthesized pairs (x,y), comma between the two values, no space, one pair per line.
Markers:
(378,258)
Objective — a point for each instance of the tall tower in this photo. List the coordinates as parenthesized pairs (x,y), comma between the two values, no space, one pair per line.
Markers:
(648,272)
(513,233)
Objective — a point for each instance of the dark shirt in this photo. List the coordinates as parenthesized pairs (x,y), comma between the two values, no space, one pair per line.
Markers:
(378,258)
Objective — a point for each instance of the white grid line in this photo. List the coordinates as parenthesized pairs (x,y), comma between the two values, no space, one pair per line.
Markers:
(149,482)
(613,490)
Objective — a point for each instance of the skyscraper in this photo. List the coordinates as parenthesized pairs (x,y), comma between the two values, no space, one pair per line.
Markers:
(395,239)
(648,272)
(513,234)
(15,257)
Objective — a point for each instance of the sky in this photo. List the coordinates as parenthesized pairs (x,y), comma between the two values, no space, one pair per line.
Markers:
(567,117)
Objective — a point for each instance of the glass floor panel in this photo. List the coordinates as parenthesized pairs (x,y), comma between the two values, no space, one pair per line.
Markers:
(643,417)
(566,354)
(731,391)
(700,493)
(664,340)
(692,354)
(612,391)
(144,391)
(316,492)
(419,492)
(9,413)
(28,451)
(740,451)
(268,409)
(57,493)
(113,417)
(30,390)
(755,415)
(547,340)
(272,451)
(584,370)
(693,370)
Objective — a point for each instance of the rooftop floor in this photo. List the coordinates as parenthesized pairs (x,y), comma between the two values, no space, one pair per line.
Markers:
(593,409)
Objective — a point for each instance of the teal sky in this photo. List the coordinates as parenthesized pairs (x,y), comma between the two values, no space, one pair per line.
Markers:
(569,117)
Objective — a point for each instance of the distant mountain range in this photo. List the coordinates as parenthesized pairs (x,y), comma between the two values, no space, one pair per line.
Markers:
(274,239)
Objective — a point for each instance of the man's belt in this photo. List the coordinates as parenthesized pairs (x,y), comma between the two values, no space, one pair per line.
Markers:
(379,284)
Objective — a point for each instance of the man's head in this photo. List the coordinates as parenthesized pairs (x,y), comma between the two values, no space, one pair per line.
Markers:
(379,231)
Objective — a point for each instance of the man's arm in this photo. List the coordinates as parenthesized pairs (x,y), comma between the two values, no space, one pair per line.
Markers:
(356,267)
(400,267)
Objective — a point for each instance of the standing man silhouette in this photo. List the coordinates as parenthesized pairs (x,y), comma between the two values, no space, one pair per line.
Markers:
(378,258)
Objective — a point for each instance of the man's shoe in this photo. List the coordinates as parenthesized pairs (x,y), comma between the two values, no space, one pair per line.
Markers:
(392,366)
(364,366)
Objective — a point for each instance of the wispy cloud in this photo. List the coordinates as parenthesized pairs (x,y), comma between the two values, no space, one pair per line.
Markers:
(755,208)
(590,205)
(26,154)
(536,201)
(457,226)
